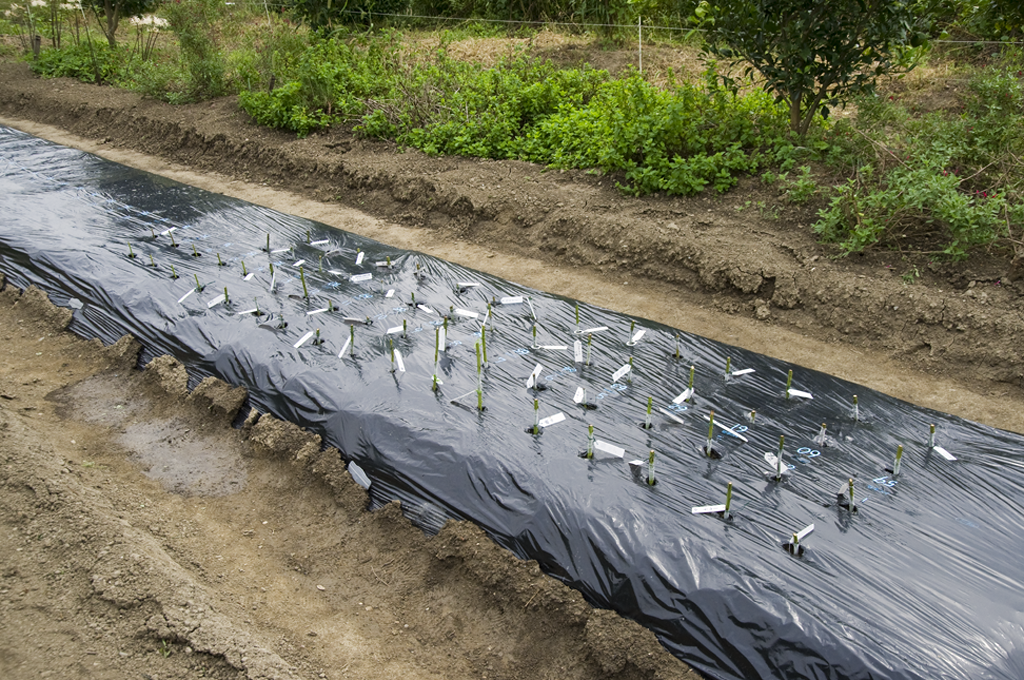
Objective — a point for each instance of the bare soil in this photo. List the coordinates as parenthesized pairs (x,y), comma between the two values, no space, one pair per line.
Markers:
(114,549)
(145,537)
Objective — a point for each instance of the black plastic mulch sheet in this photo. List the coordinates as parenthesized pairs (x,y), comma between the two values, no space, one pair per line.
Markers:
(925,580)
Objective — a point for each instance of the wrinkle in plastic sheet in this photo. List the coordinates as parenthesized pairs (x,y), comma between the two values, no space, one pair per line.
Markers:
(924,581)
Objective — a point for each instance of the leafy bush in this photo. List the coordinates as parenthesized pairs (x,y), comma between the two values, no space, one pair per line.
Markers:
(89,63)
(193,22)
(953,179)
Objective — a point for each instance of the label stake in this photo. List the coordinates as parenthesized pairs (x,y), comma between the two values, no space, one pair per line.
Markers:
(711,430)
(898,461)
(479,381)
(819,439)
(752,416)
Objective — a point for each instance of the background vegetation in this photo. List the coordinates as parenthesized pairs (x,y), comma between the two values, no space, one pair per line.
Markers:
(940,179)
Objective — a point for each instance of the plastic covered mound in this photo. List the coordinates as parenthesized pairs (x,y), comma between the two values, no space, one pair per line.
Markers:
(923,579)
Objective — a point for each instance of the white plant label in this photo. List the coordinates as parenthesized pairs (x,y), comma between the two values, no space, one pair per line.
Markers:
(532,380)
(303,339)
(772,460)
(617,375)
(594,330)
(299,263)
(577,351)
(466,313)
(944,453)
(248,311)
(614,450)
(383,263)
(800,393)
(673,416)
(273,282)
(316,311)
(805,532)
(165,232)
(249,276)
(442,339)
(353,321)
(185,296)
(361,277)
(344,347)
(683,397)
(322,242)
(578,397)
(729,430)
(636,337)
(394,329)
(551,420)
(426,309)
(390,293)
(335,272)
(359,258)
(513,300)
(280,250)
(216,301)
(742,372)
(553,347)
(707,509)
(398,360)
(466,284)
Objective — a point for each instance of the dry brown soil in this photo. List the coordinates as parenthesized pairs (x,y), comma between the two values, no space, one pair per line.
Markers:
(114,549)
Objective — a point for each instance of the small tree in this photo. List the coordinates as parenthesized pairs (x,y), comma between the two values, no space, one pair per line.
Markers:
(813,54)
(110,12)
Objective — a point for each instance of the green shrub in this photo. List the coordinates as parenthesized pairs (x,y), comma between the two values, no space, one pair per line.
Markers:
(91,64)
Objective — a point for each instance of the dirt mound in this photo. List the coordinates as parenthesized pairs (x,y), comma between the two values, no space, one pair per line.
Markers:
(147,537)
(746,253)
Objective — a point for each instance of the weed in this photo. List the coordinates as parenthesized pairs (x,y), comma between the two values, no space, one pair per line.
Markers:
(165,649)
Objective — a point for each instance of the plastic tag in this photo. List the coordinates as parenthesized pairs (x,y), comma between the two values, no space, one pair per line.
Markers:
(616,451)
(466,313)
(551,420)
(532,380)
(683,397)
(707,509)
(636,337)
(944,453)
(303,339)
(280,250)
(394,329)
(673,416)
(248,311)
(320,243)
(594,330)
(617,375)
(358,278)
(215,301)
(390,293)
(800,393)
(578,397)
(299,263)
(316,311)
(398,360)
(185,296)
(577,351)
(426,309)
(359,258)
(249,276)
(743,372)
(344,347)
(514,300)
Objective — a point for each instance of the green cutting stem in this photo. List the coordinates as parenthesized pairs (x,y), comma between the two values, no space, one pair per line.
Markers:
(302,276)
(244,273)
(789,382)
(199,288)
(226,301)
(174,274)
(220,262)
(536,416)
(590,441)
(483,341)
(650,469)
(647,423)
(131,253)
(728,499)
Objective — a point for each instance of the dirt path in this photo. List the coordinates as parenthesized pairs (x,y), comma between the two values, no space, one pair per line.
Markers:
(144,537)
